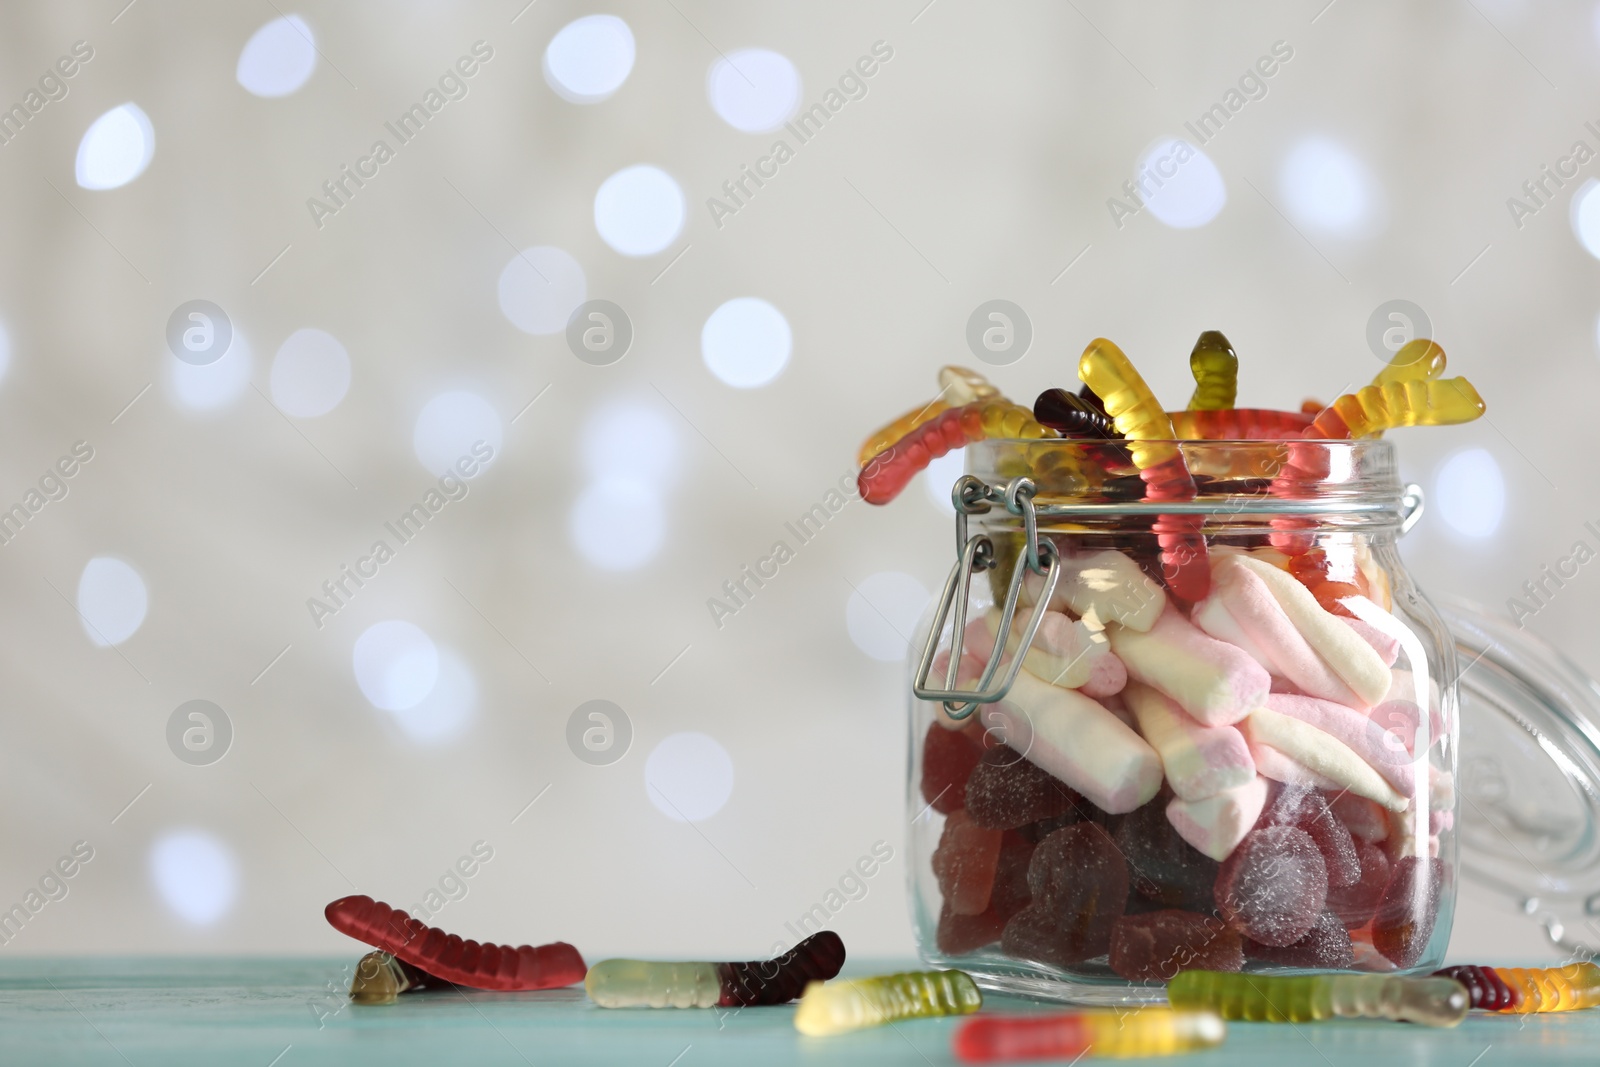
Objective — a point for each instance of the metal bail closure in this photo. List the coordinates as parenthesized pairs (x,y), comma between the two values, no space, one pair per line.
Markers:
(972,496)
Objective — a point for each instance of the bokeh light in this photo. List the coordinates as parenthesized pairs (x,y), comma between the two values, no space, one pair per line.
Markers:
(746,342)
(112,600)
(396,665)
(589,59)
(639,210)
(453,426)
(195,875)
(209,387)
(278,58)
(310,374)
(754,90)
(688,776)
(882,612)
(1191,192)
(1324,187)
(448,709)
(628,439)
(1470,491)
(618,524)
(116,149)
(540,288)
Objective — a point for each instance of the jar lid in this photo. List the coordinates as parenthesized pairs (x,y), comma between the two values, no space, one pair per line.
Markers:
(1529,784)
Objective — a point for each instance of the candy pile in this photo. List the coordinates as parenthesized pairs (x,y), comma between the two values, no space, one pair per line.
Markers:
(1214,751)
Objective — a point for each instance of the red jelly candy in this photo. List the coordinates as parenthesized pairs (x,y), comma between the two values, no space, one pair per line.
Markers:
(1273,886)
(960,934)
(948,757)
(1006,791)
(1078,884)
(1155,946)
(1410,904)
(965,863)
(1163,867)
(1326,944)
(1355,904)
(463,962)
(1308,810)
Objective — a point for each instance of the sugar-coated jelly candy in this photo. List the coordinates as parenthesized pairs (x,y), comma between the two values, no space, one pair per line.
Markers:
(1308,810)
(1274,886)
(467,963)
(1078,883)
(380,979)
(1147,1032)
(1162,866)
(1239,424)
(647,984)
(948,758)
(959,934)
(839,1007)
(1406,913)
(964,863)
(1216,373)
(1523,990)
(1356,904)
(1071,415)
(1415,402)
(1326,945)
(1006,791)
(884,475)
(1154,946)
(1266,998)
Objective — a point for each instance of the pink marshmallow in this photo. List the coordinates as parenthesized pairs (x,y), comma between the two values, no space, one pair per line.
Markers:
(1271,763)
(1384,752)
(1385,645)
(1242,597)
(1216,682)
(1217,824)
(1200,761)
(1065,651)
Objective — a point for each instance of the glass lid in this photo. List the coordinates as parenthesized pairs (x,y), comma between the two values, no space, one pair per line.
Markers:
(1529,774)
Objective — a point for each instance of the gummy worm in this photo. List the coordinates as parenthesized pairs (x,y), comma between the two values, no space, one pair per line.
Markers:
(1216,373)
(1139,417)
(1263,998)
(642,984)
(1239,424)
(1072,416)
(958,386)
(467,963)
(380,978)
(885,436)
(1145,1032)
(1413,402)
(1524,990)
(886,474)
(862,1002)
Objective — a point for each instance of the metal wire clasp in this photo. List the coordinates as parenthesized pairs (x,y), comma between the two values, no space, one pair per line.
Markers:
(973,496)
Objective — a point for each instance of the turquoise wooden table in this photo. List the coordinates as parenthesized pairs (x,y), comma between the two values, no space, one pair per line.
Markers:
(292,1013)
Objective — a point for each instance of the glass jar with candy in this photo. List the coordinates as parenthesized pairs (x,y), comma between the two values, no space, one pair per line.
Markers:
(1179,705)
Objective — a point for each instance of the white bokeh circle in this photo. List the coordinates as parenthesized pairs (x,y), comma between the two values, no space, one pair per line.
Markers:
(1470,493)
(589,58)
(688,776)
(448,709)
(1192,194)
(540,288)
(639,210)
(116,148)
(1325,187)
(631,440)
(310,374)
(618,524)
(1585,213)
(112,600)
(212,386)
(279,58)
(754,90)
(746,342)
(882,612)
(396,665)
(450,426)
(195,874)
(940,476)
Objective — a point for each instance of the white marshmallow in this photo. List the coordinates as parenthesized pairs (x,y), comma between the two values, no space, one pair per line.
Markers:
(1217,824)
(1200,761)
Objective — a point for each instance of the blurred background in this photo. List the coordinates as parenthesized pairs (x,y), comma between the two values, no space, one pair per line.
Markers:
(241,346)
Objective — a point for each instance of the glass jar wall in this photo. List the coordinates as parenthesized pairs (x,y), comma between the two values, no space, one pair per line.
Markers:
(1230,742)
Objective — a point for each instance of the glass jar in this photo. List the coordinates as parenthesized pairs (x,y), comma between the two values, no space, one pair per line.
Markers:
(1256,774)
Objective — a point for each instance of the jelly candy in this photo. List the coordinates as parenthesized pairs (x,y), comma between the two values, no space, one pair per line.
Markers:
(948,757)
(447,956)
(958,386)
(886,474)
(1007,791)
(1163,866)
(839,1007)
(1216,373)
(643,984)
(1414,402)
(380,978)
(960,934)
(1308,810)
(1239,424)
(1078,882)
(1523,990)
(1139,418)
(1417,360)
(1076,1035)
(964,864)
(1406,913)
(1072,416)
(1157,945)
(1326,945)
(885,436)
(1274,885)
(1264,998)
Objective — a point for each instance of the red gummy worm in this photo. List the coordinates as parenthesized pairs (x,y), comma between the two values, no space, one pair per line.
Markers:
(1239,424)
(997,1039)
(1485,989)
(468,963)
(1185,563)
(891,470)
(777,981)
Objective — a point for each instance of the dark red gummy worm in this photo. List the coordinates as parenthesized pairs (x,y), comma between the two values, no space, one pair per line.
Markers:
(1485,989)
(777,981)
(468,963)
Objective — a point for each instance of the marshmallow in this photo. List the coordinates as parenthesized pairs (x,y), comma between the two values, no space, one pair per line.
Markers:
(1355,661)
(1212,680)
(1361,817)
(1074,738)
(1383,751)
(1387,646)
(1271,763)
(1102,587)
(1200,761)
(1322,753)
(1241,604)
(1217,824)
(1065,651)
